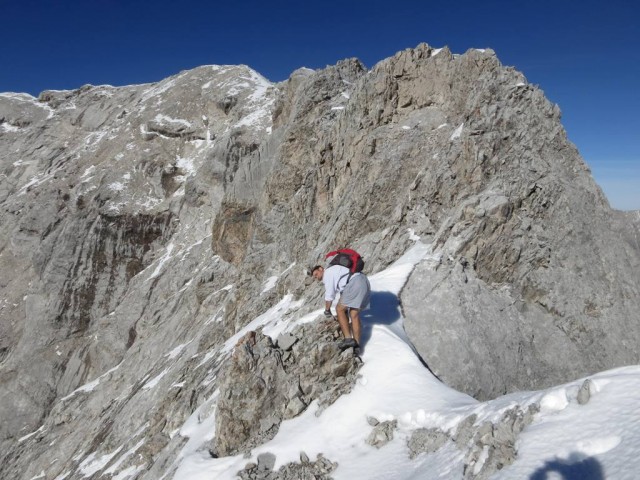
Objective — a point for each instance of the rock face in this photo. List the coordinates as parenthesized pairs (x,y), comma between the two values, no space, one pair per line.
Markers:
(262,384)
(146,229)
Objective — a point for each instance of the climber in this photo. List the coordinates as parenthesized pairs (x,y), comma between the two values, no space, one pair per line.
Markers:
(355,290)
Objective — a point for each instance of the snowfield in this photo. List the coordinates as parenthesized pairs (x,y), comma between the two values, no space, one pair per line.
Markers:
(566,440)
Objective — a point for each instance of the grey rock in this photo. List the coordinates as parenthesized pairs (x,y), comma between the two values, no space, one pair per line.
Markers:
(382,434)
(266,461)
(317,470)
(258,389)
(373,421)
(495,443)
(426,440)
(286,341)
(584,393)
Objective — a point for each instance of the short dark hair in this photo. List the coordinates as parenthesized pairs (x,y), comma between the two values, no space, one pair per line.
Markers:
(312,271)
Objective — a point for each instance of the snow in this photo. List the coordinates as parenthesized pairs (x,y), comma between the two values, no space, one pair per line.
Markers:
(435,51)
(116,466)
(7,127)
(116,186)
(129,472)
(164,259)
(177,351)
(153,382)
(272,281)
(89,387)
(92,465)
(584,440)
(186,165)
(272,316)
(269,284)
(160,118)
(28,436)
(457,132)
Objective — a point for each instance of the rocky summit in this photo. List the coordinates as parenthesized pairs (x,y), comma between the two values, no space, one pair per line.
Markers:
(150,232)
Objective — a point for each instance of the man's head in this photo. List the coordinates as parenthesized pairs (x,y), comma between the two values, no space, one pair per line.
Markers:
(317,272)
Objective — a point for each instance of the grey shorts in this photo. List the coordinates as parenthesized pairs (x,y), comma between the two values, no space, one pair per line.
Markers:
(357,292)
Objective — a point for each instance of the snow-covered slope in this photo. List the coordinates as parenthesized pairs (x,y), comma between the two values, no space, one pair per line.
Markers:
(595,438)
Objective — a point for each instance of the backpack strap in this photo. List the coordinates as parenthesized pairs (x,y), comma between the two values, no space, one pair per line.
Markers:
(348,275)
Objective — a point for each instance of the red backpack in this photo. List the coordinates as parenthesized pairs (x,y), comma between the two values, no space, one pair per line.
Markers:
(347,258)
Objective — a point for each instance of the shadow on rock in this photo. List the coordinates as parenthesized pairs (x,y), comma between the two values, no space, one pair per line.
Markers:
(576,467)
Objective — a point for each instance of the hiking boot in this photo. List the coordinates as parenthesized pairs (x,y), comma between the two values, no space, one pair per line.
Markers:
(347,343)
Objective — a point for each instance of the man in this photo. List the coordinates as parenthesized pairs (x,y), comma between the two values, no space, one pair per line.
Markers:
(355,291)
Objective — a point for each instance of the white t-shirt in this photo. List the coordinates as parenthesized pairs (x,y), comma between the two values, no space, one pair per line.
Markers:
(334,278)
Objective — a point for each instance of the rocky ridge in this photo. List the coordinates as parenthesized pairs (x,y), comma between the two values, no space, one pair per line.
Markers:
(147,229)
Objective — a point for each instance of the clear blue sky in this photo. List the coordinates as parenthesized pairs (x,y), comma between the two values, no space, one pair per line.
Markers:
(584,55)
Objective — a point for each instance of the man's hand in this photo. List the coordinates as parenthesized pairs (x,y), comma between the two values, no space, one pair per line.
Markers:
(327,313)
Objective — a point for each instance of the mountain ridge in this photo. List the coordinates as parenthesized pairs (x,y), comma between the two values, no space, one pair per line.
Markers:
(144,216)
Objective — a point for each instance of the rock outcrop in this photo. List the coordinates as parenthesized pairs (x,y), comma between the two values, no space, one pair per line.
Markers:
(146,229)
(263,384)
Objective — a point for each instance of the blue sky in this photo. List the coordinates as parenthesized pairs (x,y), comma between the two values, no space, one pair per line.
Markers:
(584,55)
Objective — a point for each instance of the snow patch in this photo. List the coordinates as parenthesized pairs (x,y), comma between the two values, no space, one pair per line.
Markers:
(457,132)
(186,165)
(153,382)
(89,387)
(28,436)
(116,186)
(177,351)
(92,465)
(116,466)
(160,118)
(164,259)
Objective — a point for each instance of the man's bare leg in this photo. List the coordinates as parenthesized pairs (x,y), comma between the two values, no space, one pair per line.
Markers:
(341,310)
(355,323)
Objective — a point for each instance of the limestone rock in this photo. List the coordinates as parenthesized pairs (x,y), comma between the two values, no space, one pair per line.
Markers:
(140,226)
(382,433)
(260,388)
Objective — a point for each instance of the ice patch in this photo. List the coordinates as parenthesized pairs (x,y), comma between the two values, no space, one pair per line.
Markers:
(116,186)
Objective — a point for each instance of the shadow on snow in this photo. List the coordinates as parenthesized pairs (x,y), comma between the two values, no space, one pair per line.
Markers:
(576,467)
